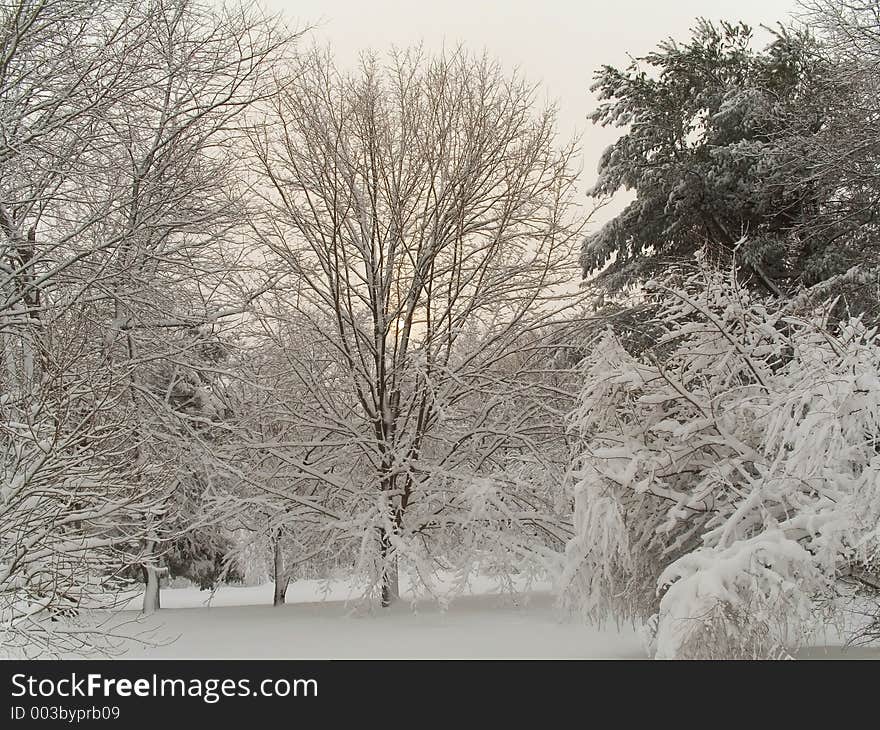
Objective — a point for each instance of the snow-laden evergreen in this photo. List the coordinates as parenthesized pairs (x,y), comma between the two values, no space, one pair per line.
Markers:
(727,477)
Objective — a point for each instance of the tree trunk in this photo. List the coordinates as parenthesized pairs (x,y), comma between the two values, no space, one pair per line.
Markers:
(151,583)
(390,580)
(282,577)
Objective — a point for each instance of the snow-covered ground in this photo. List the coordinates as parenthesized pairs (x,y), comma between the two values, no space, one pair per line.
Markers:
(318,622)
(321,620)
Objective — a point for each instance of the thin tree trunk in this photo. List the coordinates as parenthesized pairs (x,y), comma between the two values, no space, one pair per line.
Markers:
(390,579)
(282,577)
(151,583)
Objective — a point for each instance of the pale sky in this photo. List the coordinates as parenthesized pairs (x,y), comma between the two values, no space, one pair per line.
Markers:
(558,43)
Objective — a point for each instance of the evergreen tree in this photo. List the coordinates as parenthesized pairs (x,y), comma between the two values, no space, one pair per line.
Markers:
(703,123)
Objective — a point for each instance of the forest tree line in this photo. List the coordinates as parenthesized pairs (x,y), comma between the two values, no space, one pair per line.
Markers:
(257,304)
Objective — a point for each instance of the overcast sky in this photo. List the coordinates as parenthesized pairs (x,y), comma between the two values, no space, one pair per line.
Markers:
(559,43)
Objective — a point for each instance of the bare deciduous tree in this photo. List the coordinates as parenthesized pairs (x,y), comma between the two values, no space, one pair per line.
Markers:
(118,264)
(424,216)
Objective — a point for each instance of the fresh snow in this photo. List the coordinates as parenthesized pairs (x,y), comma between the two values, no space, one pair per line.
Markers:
(242,623)
(323,620)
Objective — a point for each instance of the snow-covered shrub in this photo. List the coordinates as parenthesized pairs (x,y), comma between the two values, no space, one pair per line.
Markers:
(726,477)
